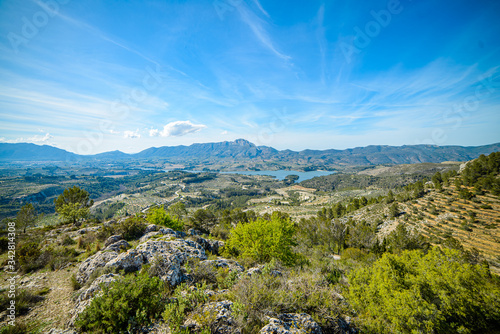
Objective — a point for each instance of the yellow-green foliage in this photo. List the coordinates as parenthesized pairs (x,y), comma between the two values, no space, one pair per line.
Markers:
(262,240)
(159,216)
(438,292)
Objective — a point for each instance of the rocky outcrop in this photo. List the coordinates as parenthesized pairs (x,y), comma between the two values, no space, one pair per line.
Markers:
(112,239)
(118,246)
(212,246)
(217,316)
(151,228)
(291,323)
(171,254)
(130,261)
(92,263)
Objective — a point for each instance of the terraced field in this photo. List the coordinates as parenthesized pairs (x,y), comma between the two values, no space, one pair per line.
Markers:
(475,223)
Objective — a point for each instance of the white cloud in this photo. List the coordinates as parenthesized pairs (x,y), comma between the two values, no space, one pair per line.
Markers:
(224,132)
(154,132)
(131,134)
(33,139)
(177,129)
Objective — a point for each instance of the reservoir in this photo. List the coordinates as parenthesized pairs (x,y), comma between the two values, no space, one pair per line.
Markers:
(281,174)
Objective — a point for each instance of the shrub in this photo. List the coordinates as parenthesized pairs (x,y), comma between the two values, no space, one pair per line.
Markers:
(74,283)
(125,305)
(262,240)
(159,216)
(439,292)
(132,228)
(18,328)
(68,241)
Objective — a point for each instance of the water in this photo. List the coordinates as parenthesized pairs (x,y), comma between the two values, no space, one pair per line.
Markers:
(281,174)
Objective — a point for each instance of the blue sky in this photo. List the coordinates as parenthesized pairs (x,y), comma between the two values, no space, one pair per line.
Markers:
(94,76)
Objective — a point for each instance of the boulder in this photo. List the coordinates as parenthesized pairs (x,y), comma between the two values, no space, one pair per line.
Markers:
(291,323)
(151,228)
(212,246)
(130,261)
(118,246)
(112,239)
(88,266)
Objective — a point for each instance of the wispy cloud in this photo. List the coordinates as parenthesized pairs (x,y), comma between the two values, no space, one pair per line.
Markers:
(256,25)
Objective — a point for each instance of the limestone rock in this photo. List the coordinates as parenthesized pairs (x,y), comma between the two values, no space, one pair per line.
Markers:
(92,263)
(291,323)
(130,261)
(212,246)
(151,228)
(118,246)
(112,239)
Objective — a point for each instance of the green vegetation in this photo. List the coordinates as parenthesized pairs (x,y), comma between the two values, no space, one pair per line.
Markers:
(394,253)
(73,204)
(437,292)
(262,240)
(26,217)
(158,216)
(125,305)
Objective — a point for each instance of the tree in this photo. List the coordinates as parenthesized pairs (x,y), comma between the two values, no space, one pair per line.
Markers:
(73,204)
(262,240)
(26,217)
(390,197)
(414,292)
(393,210)
(177,210)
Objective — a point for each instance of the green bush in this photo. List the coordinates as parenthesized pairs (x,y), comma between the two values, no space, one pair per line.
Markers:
(437,292)
(28,255)
(159,216)
(132,228)
(262,240)
(125,305)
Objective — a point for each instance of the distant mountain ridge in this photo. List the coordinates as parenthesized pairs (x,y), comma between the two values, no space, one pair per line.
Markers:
(244,150)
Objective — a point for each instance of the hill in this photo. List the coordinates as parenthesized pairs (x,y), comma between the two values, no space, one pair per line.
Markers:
(243,150)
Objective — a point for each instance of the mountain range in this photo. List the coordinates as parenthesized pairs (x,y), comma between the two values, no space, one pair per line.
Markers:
(243,150)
